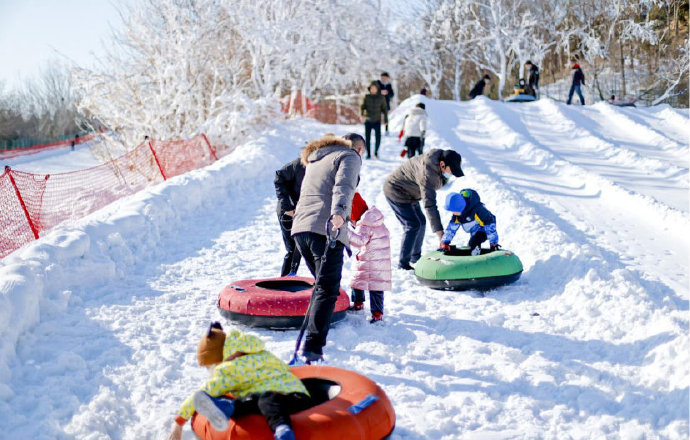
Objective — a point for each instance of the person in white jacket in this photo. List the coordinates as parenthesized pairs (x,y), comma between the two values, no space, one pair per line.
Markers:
(414,128)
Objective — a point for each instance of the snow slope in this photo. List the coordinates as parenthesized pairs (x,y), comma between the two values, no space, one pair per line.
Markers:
(99,319)
(55,160)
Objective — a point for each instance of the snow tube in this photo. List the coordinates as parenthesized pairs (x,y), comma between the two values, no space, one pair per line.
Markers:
(347,406)
(458,270)
(277,303)
(521,97)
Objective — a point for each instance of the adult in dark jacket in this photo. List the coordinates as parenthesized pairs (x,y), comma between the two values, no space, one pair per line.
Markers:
(417,180)
(373,107)
(578,80)
(532,78)
(387,91)
(332,170)
(478,88)
(288,182)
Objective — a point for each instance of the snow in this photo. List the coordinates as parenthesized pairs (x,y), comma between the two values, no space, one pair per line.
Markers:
(54,160)
(100,318)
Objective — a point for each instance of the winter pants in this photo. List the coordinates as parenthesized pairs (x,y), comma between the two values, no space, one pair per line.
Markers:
(276,407)
(329,272)
(414,146)
(376,126)
(375,299)
(477,239)
(414,223)
(576,88)
(292,255)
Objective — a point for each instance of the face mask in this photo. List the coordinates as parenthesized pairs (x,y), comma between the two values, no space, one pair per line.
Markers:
(447,175)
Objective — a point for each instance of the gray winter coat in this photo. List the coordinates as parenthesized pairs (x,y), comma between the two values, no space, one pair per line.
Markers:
(328,186)
(418,179)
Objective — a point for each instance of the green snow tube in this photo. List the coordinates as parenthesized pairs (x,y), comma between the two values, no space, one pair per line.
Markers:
(456,269)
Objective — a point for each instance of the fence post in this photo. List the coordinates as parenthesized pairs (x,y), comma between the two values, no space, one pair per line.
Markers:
(8,170)
(157,163)
(213,153)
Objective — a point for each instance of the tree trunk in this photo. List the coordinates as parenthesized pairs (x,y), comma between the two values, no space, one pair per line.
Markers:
(623,93)
(457,84)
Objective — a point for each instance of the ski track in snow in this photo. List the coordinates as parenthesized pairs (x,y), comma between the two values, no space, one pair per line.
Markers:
(591,342)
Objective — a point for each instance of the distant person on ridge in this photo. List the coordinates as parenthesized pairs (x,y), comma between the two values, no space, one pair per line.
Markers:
(478,88)
(532,79)
(578,80)
(373,107)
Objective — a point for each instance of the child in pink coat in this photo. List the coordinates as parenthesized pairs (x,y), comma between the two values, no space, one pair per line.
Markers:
(373,262)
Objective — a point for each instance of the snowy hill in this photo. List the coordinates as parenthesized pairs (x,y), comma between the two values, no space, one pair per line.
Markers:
(99,319)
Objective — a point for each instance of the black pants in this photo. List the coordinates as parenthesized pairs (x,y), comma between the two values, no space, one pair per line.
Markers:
(414,146)
(329,273)
(376,126)
(276,407)
(477,239)
(292,255)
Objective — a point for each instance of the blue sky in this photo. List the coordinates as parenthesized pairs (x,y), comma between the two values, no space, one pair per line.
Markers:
(34,32)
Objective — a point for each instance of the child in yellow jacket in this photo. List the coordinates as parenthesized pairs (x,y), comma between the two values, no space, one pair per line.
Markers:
(259,382)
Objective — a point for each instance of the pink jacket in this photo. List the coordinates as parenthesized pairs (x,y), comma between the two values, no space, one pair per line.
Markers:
(373,260)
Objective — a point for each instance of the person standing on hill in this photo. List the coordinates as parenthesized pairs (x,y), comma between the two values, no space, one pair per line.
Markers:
(532,78)
(478,88)
(578,80)
(332,171)
(288,182)
(387,91)
(417,180)
(373,107)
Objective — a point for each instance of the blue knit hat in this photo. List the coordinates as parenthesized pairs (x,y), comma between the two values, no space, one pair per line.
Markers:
(455,202)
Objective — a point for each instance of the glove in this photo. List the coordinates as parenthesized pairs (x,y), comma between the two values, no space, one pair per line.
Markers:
(444,247)
(495,247)
(476,251)
(401,135)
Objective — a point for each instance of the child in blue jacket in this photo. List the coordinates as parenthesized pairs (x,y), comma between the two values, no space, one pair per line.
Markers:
(470,213)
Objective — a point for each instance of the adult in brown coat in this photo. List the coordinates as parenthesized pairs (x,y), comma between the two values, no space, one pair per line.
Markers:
(417,180)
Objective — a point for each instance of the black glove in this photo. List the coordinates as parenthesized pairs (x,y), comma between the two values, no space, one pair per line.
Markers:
(495,247)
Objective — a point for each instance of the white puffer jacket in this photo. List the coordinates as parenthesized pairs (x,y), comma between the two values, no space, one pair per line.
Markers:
(415,122)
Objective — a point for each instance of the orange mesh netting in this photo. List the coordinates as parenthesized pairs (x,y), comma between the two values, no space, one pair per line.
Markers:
(31,204)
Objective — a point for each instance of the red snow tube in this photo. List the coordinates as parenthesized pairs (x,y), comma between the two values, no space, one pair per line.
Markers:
(347,406)
(278,303)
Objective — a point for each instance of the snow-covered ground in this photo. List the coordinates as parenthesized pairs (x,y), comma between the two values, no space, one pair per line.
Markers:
(54,160)
(99,319)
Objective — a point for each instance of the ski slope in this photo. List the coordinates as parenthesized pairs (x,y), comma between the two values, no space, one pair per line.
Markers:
(54,160)
(99,319)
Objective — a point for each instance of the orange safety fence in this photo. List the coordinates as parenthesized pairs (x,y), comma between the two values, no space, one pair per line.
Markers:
(39,148)
(31,204)
(327,112)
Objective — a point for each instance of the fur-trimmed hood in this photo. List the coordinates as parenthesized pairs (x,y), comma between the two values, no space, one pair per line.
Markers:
(329,140)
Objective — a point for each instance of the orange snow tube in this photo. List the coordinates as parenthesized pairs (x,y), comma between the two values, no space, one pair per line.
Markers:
(347,406)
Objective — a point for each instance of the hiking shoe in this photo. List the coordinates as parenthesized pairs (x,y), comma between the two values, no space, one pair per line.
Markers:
(357,306)
(284,432)
(216,410)
(292,274)
(405,266)
(376,317)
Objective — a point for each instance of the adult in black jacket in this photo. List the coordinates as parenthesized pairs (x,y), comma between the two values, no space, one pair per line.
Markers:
(478,88)
(578,80)
(387,91)
(532,78)
(288,182)
(373,110)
